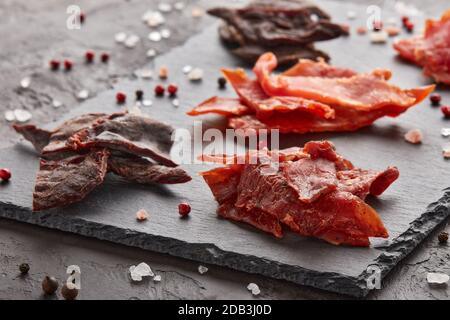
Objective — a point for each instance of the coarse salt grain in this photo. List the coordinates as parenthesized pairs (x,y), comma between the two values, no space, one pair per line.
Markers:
(151,53)
(434,278)
(179,5)
(195,74)
(25,82)
(392,31)
(197,12)
(154,36)
(22,115)
(414,136)
(361,30)
(202,269)
(83,94)
(9,116)
(153,18)
(164,7)
(254,288)
(445,132)
(378,36)
(446,151)
(176,103)
(187,69)
(351,15)
(147,103)
(140,271)
(163,73)
(56,103)
(120,37)
(165,33)
(142,215)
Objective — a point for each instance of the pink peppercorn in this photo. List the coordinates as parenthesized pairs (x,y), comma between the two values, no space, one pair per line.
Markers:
(435,99)
(89,55)
(184,209)
(172,89)
(68,65)
(121,97)
(5,174)
(159,90)
(446,111)
(54,64)
(104,57)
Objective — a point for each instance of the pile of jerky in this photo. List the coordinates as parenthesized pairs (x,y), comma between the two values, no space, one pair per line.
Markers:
(288,28)
(76,156)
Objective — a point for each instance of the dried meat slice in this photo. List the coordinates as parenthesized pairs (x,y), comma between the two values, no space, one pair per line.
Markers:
(224,106)
(307,195)
(319,68)
(39,138)
(280,23)
(131,134)
(62,182)
(143,171)
(430,50)
(253,96)
(344,92)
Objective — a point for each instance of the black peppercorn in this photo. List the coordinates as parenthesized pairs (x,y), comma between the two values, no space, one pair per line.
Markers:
(69,292)
(443,237)
(139,95)
(49,285)
(24,268)
(222,82)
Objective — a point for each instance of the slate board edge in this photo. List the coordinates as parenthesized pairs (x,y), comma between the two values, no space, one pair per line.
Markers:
(399,248)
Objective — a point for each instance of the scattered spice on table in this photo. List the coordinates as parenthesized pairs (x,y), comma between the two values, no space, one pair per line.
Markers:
(184,209)
(89,56)
(68,64)
(104,57)
(446,111)
(5,174)
(121,97)
(443,237)
(253,288)
(202,269)
(435,99)
(49,285)
(24,268)
(141,215)
(172,89)
(159,90)
(54,64)
(139,95)
(414,136)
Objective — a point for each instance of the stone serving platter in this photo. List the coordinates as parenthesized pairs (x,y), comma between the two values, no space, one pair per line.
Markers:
(411,208)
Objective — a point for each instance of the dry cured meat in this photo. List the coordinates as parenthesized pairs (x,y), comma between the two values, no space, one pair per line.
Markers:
(289,28)
(315,193)
(76,156)
(431,50)
(312,96)
(62,182)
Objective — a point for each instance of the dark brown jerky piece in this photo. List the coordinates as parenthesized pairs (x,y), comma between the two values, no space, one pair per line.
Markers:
(62,182)
(38,137)
(131,134)
(280,23)
(60,135)
(143,171)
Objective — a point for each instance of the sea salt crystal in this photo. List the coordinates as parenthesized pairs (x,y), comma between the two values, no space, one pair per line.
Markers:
(361,30)
(165,33)
(164,7)
(144,73)
(153,18)
(179,6)
(140,271)
(120,37)
(392,31)
(25,82)
(351,15)
(254,288)
(83,94)
(22,115)
(163,72)
(154,36)
(176,103)
(157,278)
(446,151)
(56,103)
(9,116)
(147,103)
(314,17)
(195,74)
(151,53)
(437,278)
(414,136)
(187,69)
(202,269)
(378,36)
(445,132)
(197,12)
(131,41)
(142,215)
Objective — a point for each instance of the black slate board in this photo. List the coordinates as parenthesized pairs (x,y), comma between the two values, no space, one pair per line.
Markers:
(109,212)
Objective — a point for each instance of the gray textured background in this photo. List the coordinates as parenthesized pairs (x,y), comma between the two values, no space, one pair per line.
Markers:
(227,283)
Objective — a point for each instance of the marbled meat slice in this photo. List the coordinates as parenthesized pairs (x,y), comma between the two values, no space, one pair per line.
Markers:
(62,182)
(317,204)
(131,134)
(144,171)
(430,50)
(252,95)
(345,92)
(319,68)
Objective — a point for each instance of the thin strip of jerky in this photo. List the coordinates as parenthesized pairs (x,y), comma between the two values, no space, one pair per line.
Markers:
(62,182)
(38,137)
(143,171)
(131,134)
